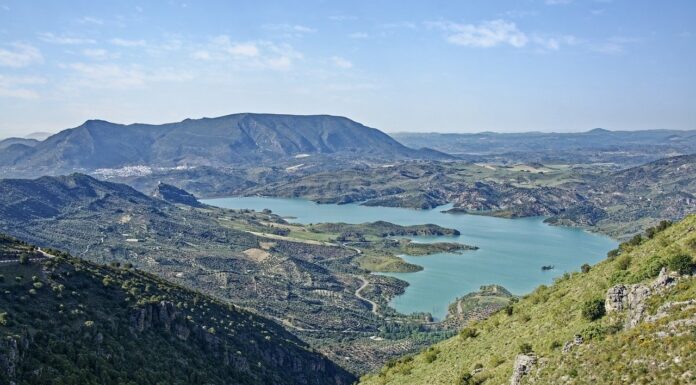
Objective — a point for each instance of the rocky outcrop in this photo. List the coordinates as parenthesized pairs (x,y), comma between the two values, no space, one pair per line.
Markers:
(664,280)
(633,297)
(523,366)
(165,317)
(11,352)
(577,340)
(160,315)
(172,194)
(616,299)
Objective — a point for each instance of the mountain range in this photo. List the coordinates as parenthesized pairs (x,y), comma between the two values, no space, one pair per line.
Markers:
(599,145)
(232,140)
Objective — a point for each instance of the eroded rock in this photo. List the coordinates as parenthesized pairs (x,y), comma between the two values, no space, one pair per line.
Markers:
(523,366)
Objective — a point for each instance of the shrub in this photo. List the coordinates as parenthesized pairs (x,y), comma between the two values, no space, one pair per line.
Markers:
(681,263)
(431,355)
(613,254)
(555,345)
(509,309)
(525,348)
(585,268)
(3,319)
(593,309)
(467,333)
(623,263)
(465,379)
(23,259)
(636,240)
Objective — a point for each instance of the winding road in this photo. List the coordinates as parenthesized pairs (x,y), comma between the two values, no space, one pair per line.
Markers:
(375,307)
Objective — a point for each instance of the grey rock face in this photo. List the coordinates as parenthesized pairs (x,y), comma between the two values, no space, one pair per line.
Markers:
(637,295)
(577,340)
(523,366)
(631,298)
(616,298)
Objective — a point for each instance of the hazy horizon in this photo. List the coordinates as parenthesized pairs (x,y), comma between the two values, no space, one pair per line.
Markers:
(53,132)
(508,66)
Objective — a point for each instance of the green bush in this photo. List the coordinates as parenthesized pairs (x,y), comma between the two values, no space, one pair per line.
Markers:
(623,263)
(681,263)
(613,254)
(585,268)
(636,240)
(467,333)
(593,309)
(431,354)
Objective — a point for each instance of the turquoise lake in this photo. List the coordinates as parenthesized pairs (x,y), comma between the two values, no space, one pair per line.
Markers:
(511,251)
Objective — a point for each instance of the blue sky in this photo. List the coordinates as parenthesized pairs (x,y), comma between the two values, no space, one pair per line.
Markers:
(453,66)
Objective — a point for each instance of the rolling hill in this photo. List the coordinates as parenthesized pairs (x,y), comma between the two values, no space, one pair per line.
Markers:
(232,140)
(83,323)
(628,319)
(599,145)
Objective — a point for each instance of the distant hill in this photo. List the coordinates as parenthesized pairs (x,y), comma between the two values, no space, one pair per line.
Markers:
(40,135)
(595,146)
(232,140)
(67,321)
(5,143)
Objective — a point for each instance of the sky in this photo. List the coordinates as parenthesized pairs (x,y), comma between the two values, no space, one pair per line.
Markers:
(446,66)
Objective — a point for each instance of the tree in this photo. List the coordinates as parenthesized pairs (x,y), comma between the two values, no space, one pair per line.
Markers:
(593,309)
(681,263)
(585,268)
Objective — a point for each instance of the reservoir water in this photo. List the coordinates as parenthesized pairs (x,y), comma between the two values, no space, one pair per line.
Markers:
(511,251)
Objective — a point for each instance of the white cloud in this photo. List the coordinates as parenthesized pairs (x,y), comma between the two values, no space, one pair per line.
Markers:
(99,54)
(484,35)
(113,76)
(554,43)
(127,43)
(251,54)
(244,49)
(558,2)
(359,35)
(342,17)
(20,55)
(49,37)
(108,75)
(341,62)
(16,87)
(201,55)
(90,20)
(614,45)
(290,29)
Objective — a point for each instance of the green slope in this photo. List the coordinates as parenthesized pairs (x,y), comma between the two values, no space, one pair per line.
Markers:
(67,321)
(661,351)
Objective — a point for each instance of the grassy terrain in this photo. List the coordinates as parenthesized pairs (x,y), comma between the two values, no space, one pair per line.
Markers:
(550,316)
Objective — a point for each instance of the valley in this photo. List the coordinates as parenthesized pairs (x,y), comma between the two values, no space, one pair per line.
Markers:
(365,251)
